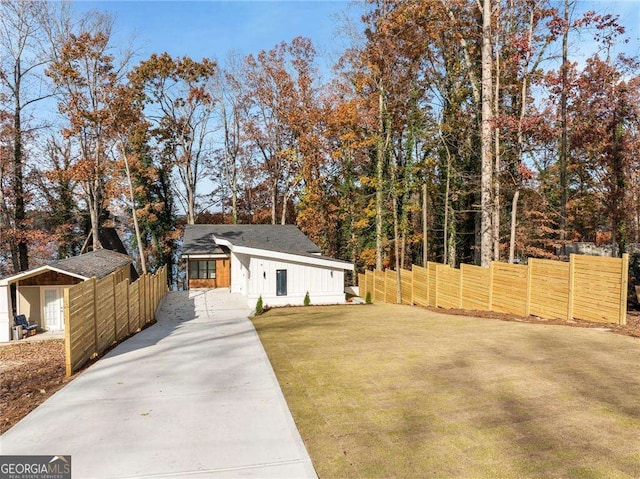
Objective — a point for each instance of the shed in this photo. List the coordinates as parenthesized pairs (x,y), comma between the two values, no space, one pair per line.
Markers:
(277,262)
(38,293)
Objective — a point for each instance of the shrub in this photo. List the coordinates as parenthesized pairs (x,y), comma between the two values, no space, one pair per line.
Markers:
(259,306)
(307,299)
(367,298)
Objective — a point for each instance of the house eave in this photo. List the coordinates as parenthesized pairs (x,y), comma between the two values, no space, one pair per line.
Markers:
(297,258)
(35,272)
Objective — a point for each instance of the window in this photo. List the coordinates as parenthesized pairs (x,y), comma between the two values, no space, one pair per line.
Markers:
(281,282)
(202,269)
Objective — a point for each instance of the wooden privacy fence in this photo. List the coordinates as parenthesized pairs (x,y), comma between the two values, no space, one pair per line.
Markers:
(100,313)
(592,288)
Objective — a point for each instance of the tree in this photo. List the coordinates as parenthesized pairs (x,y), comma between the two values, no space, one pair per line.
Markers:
(22,86)
(229,93)
(280,87)
(604,113)
(180,106)
(58,187)
(88,79)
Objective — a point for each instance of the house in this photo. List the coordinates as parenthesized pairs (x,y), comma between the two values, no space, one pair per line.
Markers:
(39,292)
(277,262)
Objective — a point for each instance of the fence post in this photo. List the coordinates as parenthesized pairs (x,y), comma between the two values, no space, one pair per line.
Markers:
(128,310)
(384,299)
(115,307)
(527,310)
(95,316)
(623,289)
(67,335)
(460,289)
(413,289)
(436,291)
(572,272)
(491,286)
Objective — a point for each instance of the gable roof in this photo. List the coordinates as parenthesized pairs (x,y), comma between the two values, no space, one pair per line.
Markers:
(201,239)
(109,239)
(99,263)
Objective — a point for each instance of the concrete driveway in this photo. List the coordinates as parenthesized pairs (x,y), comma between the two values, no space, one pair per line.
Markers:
(192,396)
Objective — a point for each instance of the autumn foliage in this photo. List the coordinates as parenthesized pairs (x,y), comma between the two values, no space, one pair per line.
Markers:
(446,131)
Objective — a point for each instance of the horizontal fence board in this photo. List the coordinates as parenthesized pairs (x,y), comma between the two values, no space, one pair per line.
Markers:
(369,282)
(589,288)
(549,296)
(379,285)
(448,295)
(433,283)
(420,286)
(362,285)
(100,312)
(509,288)
(391,292)
(407,286)
(475,287)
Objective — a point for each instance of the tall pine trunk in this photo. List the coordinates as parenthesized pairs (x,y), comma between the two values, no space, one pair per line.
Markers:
(425,231)
(486,180)
(514,218)
(380,155)
(563,115)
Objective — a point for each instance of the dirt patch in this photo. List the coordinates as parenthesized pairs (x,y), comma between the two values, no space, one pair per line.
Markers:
(632,328)
(29,374)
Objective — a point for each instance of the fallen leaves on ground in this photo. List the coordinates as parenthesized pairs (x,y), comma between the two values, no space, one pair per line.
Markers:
(30,372)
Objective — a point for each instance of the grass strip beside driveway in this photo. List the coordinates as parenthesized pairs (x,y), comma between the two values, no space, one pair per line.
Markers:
(398,391)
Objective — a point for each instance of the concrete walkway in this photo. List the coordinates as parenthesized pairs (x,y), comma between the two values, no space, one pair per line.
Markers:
(192,396)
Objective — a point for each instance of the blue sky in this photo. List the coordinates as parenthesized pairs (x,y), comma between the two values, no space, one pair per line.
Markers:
(213,28)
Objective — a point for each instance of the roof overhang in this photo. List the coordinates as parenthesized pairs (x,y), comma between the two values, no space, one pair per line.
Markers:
(36,272)
(205,256)
(296,258)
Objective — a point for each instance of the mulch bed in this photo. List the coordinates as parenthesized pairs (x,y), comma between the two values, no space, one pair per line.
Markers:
(632,328)
(29,374)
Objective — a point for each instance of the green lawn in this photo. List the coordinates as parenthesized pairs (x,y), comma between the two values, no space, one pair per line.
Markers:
(398,391)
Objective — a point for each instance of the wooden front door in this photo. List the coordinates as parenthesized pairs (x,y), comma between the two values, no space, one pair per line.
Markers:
(223,273)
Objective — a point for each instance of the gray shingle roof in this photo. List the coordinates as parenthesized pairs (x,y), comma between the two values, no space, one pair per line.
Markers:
(99,263)
(200,239)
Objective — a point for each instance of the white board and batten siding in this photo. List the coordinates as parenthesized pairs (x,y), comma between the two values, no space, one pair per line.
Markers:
(325,284)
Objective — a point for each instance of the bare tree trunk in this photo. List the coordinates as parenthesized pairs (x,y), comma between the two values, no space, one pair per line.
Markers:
(18,167)
(134,213)
(425,234)
(486,181)
(397,249)
(563,115)
(496,171)
(380,154)
(274,202)
(191,200)
(95,199)
(283,216)
(451,242)
(403,248)
(514,217)
(445,240)
(396,230)
(95,222)
(234,202)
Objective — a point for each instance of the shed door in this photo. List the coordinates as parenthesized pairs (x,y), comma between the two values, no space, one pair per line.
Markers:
(53,308)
